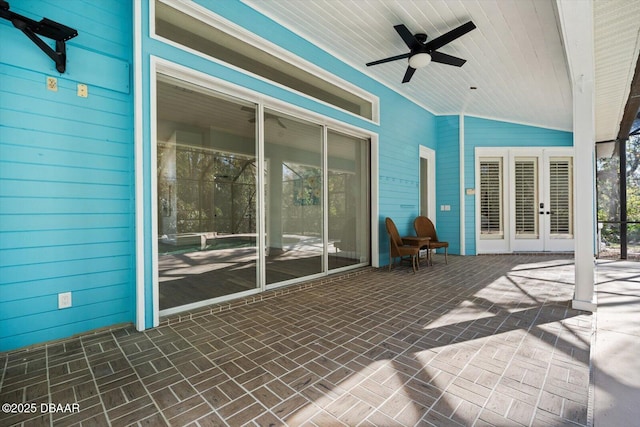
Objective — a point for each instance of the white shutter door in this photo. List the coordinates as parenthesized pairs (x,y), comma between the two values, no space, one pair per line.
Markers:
(526,198)
(561,198)
(491,223)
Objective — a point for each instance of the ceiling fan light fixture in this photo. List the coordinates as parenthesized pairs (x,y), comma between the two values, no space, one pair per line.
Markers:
(419,60)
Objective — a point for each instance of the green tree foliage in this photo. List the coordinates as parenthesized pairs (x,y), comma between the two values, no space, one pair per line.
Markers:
(608,185)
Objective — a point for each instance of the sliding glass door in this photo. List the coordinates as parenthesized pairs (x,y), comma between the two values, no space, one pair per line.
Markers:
(206,194)
(294,193)
(348,199)
(249,198)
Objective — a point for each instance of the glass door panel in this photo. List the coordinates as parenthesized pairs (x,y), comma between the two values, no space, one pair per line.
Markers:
(294,198)
(526,198)
(348,202)
(206,194)
(525,218)
(491,209)
(559,171)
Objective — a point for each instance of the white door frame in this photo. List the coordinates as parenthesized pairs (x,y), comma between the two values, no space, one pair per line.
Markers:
(430,156)
(508,243)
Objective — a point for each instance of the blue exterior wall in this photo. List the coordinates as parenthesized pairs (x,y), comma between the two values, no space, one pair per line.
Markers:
(66,175)
(480,132)
(448,181)
(67,171)
(403,128)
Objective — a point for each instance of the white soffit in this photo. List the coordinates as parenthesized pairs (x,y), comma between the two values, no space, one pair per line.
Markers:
(617,43)
(514,57)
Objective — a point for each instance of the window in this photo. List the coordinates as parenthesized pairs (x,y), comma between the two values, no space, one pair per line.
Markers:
(491,211)
(348,199)
(526,198)
(203,35)
(206,194)
(561,197)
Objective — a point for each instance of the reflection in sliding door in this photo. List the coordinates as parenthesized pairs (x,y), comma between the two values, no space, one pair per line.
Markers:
(206,194)
(294,193)
(348,204)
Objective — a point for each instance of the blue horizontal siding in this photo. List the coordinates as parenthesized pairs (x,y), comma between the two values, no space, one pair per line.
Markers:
(448,181)
(75,236)
(81,298)
(27,205)
(89,174)
(49,123)
(86,265)
(55,285)
(53,325)
(62,190)
(66,177)
(61,253)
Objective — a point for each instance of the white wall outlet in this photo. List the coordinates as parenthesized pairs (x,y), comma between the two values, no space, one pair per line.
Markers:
(52,84)
(447,207)
(83,91)
(64,300)
(441,207)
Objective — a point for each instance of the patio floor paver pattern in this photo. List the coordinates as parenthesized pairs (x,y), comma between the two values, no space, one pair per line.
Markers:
(487,340)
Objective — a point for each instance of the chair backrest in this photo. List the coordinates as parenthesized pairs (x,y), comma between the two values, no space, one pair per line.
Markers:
(425,228)
(394,236)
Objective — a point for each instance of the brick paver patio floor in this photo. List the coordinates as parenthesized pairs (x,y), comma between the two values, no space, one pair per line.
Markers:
(487,340)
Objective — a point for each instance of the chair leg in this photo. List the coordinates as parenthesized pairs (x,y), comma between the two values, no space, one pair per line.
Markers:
(413,263)
(445,256)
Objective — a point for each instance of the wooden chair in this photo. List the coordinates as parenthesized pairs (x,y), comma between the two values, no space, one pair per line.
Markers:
(397,248)
(425,228)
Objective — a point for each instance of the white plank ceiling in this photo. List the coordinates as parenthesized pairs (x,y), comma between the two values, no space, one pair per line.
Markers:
(515,56)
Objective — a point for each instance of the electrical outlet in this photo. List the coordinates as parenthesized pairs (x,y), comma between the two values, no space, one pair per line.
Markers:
(64,300)
(52,84)
(83,92)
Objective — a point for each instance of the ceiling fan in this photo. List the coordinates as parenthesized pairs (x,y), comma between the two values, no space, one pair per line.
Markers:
(422,52)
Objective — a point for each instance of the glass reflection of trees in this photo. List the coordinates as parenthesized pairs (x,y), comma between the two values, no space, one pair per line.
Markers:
(215,192)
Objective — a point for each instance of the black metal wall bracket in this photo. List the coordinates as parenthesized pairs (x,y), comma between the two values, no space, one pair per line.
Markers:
(46,28)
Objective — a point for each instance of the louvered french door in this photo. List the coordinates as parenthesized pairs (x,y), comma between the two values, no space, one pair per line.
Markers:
(541,207)
(558,212)
(524,200)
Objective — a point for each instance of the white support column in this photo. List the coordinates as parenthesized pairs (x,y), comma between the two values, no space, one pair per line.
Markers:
(576,21)
(463,231)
